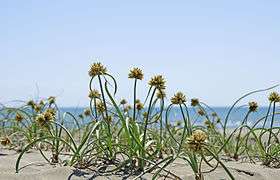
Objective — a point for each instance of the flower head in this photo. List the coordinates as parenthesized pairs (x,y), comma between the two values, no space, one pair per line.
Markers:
(51,99)
(97,69)
(100,107)
(51,111)
(87,112)
(123,102)
(253,106)
(48,116)
(136,73)
(178,98)
(18,117)
(214,114)
(194,102)
(201,112)
(94,94)
(41,103)
(45,117)
(139,106)
(197,140)
(37,108)
(5,141)
(158,82)
(274,97)
(31,103)
(40,118)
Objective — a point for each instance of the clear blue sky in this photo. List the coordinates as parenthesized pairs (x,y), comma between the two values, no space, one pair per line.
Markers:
(214,50)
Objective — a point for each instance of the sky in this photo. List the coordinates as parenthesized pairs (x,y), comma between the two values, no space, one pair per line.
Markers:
(213,50)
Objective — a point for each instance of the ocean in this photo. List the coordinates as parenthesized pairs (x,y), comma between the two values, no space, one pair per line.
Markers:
(236,116)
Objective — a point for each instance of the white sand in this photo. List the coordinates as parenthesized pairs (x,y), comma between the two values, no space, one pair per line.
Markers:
(35,167)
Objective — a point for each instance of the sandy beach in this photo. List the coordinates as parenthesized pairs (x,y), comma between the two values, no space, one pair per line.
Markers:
(33,166)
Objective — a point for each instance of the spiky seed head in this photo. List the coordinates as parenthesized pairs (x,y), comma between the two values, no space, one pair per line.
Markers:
(18,117)
(201,112)
(31,103)
(81,116)
(253,106)
(109,119)
(41,103)
(5,141)
(100,107)
(37,108)
(139,106)
(40,119)
(158,82)
(194,102)
(178,98)
(51,99)
(94,94)
(214,114)
(123,102)
(48,116)
(136,73)
(52,111)
(197,140)
(87,112)
(97,69)
(274,97)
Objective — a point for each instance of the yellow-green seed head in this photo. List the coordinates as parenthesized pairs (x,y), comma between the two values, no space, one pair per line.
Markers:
(18,117)
(100,107)
(201,112)
(253,106)
(123,102)
(31,103)
(5,141)
(274,97)
(178,98)
(51,99)
(194,102)
(94,94)
(139,106)
(97,69)
(136,73)
(87,112)
(197,140)
(158,82)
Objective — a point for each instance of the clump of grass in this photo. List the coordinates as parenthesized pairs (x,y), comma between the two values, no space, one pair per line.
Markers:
(138,137)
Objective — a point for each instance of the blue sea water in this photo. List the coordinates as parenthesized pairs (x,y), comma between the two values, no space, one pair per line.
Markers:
(236,116)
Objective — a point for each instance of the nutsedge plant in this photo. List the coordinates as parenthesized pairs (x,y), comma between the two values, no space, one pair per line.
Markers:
(140,136)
